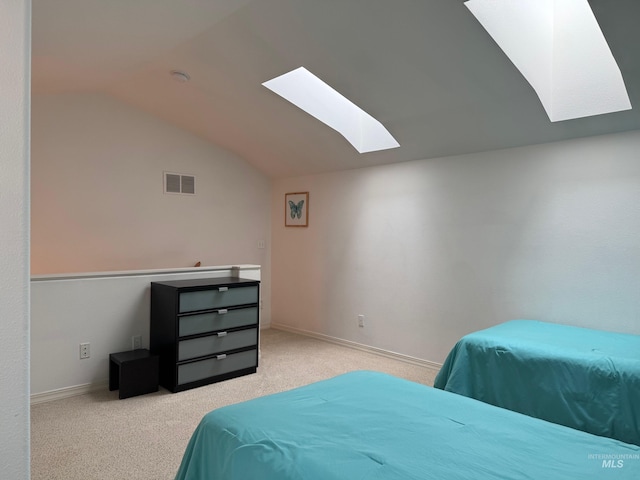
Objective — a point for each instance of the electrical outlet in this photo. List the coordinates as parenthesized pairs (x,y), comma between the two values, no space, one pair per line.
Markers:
(85,351)
(261,243)
(136,342)
(361,320)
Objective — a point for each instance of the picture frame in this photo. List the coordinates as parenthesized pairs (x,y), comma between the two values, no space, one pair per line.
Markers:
(296,209)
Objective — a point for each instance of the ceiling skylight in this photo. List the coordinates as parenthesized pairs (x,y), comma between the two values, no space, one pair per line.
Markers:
(559,48)
(309,93)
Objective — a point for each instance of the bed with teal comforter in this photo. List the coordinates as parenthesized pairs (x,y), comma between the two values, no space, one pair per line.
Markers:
(582,378)
(369,425)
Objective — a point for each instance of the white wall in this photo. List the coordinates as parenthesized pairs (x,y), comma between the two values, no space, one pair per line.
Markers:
(434,249)
(97,199)
(15,45)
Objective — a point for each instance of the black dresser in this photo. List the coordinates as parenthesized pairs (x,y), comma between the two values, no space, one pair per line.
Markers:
(204,330)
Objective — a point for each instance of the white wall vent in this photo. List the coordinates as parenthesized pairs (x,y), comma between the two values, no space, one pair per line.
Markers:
(179,183)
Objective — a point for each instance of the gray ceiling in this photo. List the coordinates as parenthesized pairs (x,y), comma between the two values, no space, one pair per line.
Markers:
(425,68)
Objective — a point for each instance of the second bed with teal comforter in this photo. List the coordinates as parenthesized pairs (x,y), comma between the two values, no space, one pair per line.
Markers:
(582,378)
(372,426)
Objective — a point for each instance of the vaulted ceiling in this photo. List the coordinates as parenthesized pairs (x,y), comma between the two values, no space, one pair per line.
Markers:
(425,68)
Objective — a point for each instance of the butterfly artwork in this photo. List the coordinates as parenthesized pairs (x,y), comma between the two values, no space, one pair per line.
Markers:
(296,208)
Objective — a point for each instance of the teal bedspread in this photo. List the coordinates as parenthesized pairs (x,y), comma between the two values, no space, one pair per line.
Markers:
(581,378)
(372,426)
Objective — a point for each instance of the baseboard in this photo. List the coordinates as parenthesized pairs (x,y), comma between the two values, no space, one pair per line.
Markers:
(67,392)
(359,346)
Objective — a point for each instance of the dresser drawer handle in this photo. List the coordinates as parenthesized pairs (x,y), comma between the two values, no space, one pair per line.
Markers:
(222,334)
(223,311)
(221,357)
(223,289)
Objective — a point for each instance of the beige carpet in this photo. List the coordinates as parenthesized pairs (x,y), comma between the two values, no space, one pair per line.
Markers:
(96,436)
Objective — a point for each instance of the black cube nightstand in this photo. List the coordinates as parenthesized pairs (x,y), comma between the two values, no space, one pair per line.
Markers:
(134,372)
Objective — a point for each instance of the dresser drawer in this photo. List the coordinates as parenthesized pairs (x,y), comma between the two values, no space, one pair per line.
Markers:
(220,297)
(220,320)
(192,372)
(223,341)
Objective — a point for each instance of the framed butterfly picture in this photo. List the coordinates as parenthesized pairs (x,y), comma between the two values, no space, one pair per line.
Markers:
(296,209)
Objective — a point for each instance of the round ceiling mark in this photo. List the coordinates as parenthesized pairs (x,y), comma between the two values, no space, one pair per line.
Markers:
(180,76)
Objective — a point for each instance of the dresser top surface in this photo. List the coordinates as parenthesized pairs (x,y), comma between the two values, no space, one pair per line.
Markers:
(205,282)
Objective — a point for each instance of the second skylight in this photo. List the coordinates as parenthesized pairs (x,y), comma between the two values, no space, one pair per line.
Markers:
(559,48)
(309,93)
